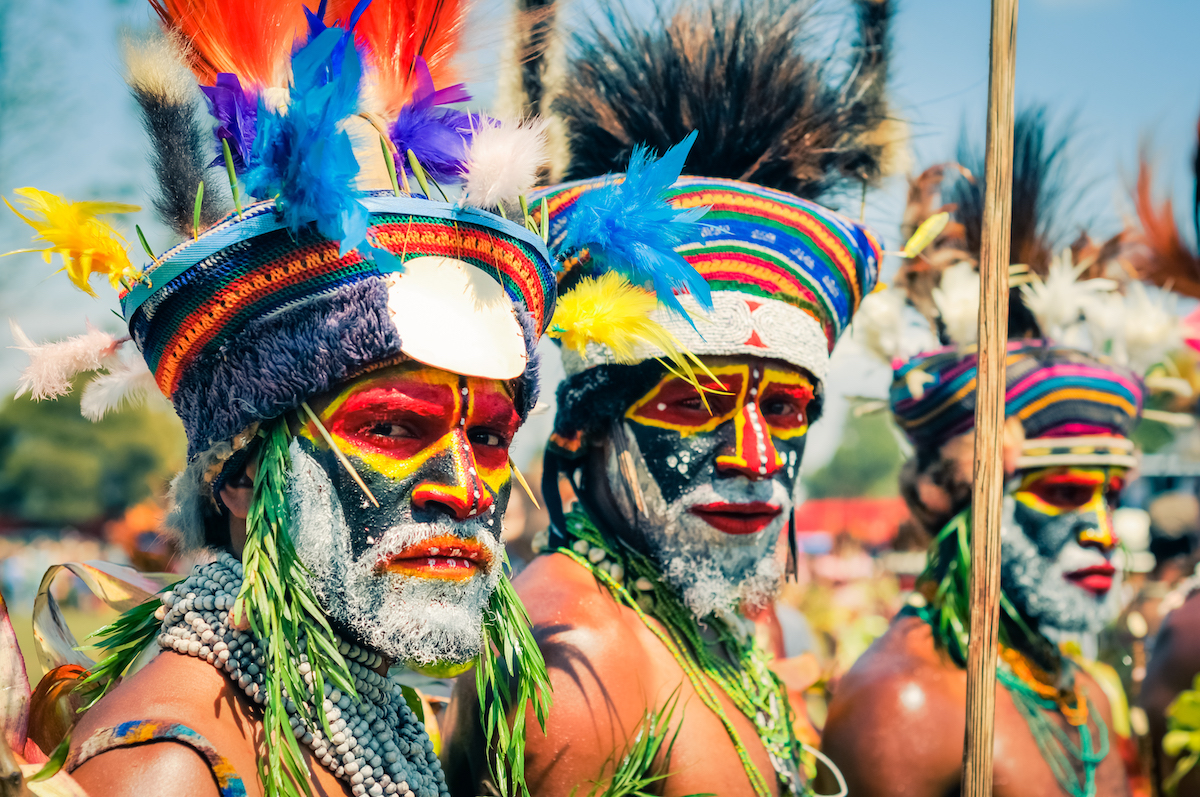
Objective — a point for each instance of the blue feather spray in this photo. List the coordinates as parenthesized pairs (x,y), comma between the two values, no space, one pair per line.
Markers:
(629,227)
(302,156)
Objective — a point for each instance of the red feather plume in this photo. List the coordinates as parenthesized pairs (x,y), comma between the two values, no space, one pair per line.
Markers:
(251,38)
(396,33)
(1162,256)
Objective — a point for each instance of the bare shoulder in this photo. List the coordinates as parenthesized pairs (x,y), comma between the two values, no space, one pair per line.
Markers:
(605,667)
(902,681)
(170,689)
(148,770)
(575,616)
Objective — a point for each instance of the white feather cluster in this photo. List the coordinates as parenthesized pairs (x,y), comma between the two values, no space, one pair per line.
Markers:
(1061,300)
(885,326)
(125,381)
(503,161)
(957,301)
(879,324)
(53,366)
(1151,327)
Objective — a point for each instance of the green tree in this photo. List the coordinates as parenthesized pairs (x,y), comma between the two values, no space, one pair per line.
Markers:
(57,467)
(866,463)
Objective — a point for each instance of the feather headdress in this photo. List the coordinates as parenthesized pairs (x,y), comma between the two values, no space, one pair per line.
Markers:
(773,116)
(1160,254)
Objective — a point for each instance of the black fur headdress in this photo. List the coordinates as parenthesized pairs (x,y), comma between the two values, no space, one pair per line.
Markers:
(741,73)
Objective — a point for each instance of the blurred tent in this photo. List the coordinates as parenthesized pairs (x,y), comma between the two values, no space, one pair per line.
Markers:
(874,522)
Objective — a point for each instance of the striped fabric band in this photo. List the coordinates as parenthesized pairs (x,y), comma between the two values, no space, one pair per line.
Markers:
(204,292)
(1049,452)
(1055,392)
(129,734)
(763,243)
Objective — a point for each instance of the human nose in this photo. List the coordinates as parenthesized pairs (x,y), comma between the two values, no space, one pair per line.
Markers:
(1098,531)
(754,455)
(460,493)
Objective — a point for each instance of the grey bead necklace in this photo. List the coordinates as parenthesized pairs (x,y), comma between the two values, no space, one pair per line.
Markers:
(378,746)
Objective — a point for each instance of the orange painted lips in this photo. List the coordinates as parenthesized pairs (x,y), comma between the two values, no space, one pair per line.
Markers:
(446,557)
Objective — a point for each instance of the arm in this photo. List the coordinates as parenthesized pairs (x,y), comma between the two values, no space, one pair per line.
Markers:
(161,769)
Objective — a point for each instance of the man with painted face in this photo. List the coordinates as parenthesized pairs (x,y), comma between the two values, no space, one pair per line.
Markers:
(685,488)
(350,367)
(897,718)
(896,721)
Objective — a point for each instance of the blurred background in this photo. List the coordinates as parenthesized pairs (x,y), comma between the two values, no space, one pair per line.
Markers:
(1122,76)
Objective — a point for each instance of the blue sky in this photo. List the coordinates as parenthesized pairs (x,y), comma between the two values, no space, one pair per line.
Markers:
(1124,70)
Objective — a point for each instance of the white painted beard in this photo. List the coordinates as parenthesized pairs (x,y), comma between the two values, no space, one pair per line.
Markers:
(406,618)
(713,571)
(1038,587)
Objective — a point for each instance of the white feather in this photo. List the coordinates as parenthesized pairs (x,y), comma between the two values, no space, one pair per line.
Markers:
(1058,302)
(52,366)
(957,300)
(879,324)
(125,381)
(1152,327)
(503,161)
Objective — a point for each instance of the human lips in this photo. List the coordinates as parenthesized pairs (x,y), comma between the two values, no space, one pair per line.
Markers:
(1097,579)
(446,557)
(737,518)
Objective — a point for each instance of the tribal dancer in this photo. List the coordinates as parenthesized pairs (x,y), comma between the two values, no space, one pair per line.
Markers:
(896,720)
(350,358)
(686,482)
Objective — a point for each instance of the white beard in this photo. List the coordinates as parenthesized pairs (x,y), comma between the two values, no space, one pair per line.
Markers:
(713,571)
(1038,587)
(406,618)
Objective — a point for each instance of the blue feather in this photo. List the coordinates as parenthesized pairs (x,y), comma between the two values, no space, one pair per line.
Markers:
(629,227)
(302,156)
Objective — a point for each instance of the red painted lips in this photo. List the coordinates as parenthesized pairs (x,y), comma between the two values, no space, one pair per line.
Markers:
(737,518)
(1097,579)
(446,557)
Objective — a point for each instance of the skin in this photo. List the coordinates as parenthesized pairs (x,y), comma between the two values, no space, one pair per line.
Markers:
(1171,669)
(606,667)
(897,718)
(395,440)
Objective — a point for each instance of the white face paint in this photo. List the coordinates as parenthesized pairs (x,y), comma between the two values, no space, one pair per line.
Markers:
(713,570)
(422,620)
(1038,555)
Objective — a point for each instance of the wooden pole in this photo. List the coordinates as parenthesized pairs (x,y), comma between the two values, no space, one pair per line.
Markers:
(989,407)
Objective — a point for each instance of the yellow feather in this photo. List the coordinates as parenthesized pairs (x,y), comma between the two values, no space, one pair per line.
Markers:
(925,234)
(609,311)
(87,244)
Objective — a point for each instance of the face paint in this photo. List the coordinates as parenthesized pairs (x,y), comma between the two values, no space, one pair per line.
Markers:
(412,576)
(1058,543)
(719,481)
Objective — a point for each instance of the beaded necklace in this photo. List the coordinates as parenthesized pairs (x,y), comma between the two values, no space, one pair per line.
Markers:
(744,676)
(1073,764)
(377,745)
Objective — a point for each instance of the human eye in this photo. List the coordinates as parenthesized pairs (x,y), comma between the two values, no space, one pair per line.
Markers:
(487,437)
(390,430)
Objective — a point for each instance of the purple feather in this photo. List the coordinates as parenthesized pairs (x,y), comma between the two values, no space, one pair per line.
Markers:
(236,112)
(439,137)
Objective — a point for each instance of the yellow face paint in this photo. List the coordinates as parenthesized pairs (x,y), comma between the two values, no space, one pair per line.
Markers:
(1052,492)
(398,421)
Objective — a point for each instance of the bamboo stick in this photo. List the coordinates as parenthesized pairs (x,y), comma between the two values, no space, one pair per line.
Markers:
(989,408)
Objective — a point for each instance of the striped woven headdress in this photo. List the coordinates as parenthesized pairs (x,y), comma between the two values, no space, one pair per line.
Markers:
(786,274)
(330,119)
(1074,408)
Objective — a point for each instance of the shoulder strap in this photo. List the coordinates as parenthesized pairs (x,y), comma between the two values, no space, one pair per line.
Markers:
(135,732)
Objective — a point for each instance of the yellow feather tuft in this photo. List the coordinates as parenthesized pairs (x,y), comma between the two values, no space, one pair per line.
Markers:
(608,310)
(87,244)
